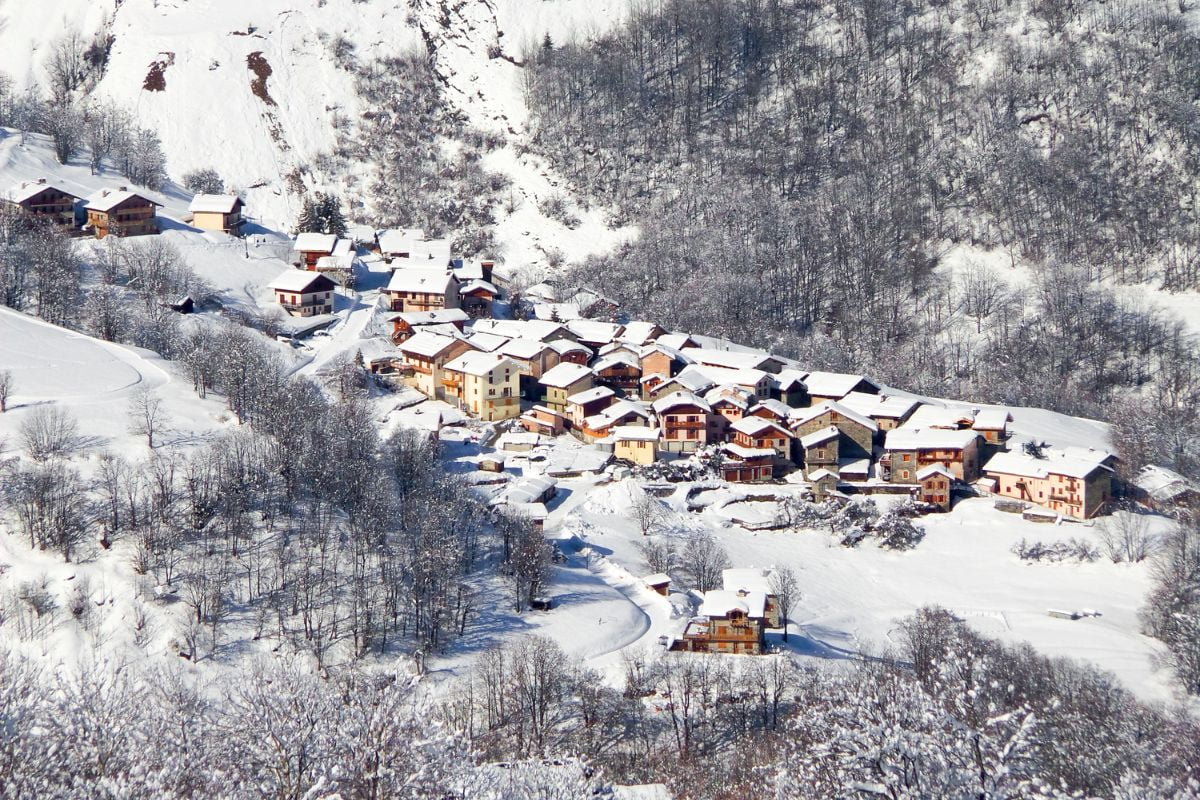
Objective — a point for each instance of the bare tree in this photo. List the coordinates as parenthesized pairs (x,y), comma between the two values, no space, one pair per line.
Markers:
(702,560)
(1125,535)
(660,554)
(982,292)
(647,511)
(147,417)
(48,432)
(787,593)
(68,65)
(6,387)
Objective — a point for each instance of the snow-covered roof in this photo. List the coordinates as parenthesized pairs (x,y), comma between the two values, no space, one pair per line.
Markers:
(1163,484)
(934,469)
(435,317)
(616,360)
(477,285)
(488,342)
(819,437)
(821,474)
(420,279)
(692,379)
(591,395)
(677,341)
(720,602)
(757,426)
(590,330)
(315,243)
(1054,463)
(214,203)
(731,359)
(658,347)
(560,376)
(398,240)
(479,364)
(992,419)
(542,330)
(854,466)
(427,345)
(776,407)
(721,394)
(879,406)
(530,489)
(564,346)
(298,281)
(726,375)
(909,437)
(108,199)
(556,312)
(788,378)
(940,416)
(657,579)
(28,189)
(749,579)
(833,384)
(639,331)
(676,399)
(615,413)
(524,349)
(635,433)
(799,416)
(741,451)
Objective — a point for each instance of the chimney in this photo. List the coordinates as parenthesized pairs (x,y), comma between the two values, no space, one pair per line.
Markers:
(104,192)
(122,188)
(41,181)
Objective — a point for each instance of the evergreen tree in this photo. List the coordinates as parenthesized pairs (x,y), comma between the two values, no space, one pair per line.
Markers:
(307,222)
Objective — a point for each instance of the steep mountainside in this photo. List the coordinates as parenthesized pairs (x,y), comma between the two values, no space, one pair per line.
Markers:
(259,90)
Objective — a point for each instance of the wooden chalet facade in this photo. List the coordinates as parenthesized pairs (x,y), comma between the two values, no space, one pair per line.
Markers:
(46,201)
(476,297)
(304,294)
(686,422)
(312,247)
(413,289)
(121,213)
(562,381)
(729,622)
(407,324)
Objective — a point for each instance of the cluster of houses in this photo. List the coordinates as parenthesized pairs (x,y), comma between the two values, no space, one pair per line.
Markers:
(647,394)
(118,212)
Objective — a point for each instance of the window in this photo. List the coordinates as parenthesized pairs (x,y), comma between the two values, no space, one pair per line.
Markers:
(906,458)
(904,474)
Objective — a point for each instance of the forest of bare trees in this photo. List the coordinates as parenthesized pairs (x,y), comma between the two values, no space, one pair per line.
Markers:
(804,168)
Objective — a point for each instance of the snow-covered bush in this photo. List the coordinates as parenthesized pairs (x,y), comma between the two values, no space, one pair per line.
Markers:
(1066,550)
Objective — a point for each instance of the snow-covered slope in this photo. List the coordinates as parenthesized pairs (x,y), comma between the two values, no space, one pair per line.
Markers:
(258,90)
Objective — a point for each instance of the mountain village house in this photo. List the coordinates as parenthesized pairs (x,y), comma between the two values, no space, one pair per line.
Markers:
(1074,486)
(856,433)
(819,450)
(741,464)
(935,482)
(836,385)
(45,201)
(309,247)
(763,434)
(729,622)
(484,385)
(588,402)
(217,212)
(635,443)
(407,324)
(426,354)
(621,413)
(304,294)
(909,449)
(476,297)
(422,290)
(120,213)
(686,422)
(562,381)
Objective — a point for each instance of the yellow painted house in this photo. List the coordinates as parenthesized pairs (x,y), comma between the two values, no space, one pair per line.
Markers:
(485,385)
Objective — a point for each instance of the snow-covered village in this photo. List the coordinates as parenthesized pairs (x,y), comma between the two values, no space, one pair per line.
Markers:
(406,400)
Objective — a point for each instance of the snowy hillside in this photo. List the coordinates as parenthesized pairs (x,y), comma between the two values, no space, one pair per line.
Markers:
(259,91)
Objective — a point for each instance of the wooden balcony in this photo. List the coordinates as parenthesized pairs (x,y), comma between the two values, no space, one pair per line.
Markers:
(688,426)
